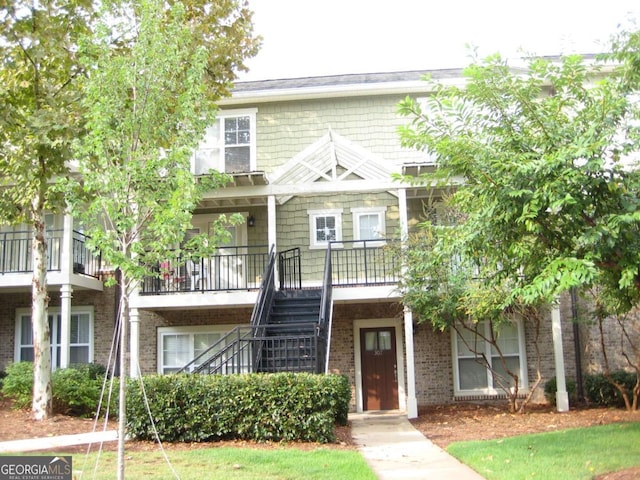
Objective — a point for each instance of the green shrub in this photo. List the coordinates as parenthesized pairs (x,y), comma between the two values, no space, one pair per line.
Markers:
(18,384)
(600,391)
(274,407)
(550,389)
(77,390)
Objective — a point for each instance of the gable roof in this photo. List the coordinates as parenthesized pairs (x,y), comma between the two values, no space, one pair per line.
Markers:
(331,158)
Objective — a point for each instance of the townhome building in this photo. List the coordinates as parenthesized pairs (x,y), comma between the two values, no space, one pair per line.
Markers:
(308,282)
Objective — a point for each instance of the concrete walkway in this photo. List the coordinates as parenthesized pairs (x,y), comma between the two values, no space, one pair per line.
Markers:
(48,443)
(391,445)
(396,450)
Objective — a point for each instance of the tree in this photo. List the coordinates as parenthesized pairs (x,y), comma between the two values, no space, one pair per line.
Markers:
(548,198)
(41,114)
(159,70)
(455,292)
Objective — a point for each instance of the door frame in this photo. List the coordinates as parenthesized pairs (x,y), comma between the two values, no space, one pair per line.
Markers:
(396,324)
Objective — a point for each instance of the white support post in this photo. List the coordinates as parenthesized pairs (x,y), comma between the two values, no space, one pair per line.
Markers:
(412,401)
(562,397)
(134,342)
(66,249)
(271,231)
(65,324)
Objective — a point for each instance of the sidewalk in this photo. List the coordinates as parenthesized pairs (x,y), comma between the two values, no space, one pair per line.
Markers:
(48,443)
(396,450)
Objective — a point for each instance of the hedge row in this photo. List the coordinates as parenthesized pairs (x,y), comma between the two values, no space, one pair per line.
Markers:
(260,407)
(597,388)
(76,390)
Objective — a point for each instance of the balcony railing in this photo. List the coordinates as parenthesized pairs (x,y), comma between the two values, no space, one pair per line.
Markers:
(232,268)
(364,263)
(15,253)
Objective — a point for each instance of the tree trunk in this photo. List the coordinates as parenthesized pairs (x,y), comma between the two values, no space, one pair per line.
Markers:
(42,403)
(124,361)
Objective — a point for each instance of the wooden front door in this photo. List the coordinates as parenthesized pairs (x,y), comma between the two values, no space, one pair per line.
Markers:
(379,368)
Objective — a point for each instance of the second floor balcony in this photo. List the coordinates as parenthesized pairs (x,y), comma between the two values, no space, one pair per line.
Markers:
(354,263)
(16,253)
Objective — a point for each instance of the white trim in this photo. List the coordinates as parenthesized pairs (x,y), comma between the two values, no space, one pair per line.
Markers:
(55,312)
(220,146)
(396,323)
(329,212)
(381,212)
(490,390)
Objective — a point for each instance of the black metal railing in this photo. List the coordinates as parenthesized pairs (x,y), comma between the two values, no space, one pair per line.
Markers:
(235,351)
(262,307)
(232,268)
(290,269)
(363,263)
(16,248)
(230,354)
(326,309)
(84,260)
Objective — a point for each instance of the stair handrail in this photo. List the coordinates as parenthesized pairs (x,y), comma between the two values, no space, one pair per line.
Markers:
(221,344)
(266,292)
(326,309)
(262,307)
(290,269)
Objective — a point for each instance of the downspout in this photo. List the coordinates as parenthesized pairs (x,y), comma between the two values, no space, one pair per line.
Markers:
(577,345)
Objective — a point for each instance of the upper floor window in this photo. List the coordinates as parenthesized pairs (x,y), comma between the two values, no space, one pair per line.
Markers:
(325,226)
(229,145)
(369,223)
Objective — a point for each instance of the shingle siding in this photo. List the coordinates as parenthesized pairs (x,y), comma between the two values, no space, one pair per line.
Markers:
(285,129)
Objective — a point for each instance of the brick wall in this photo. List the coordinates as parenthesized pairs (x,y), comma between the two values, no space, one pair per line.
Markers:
(151,321)
(103,304)
(434,370)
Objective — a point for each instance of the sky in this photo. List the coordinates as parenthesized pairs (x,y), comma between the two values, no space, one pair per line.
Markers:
(304,38)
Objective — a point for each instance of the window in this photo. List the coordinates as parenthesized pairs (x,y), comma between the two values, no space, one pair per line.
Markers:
(471,376)
(81,339)
(177,346)
(369,223)
(229,145)
(324,226)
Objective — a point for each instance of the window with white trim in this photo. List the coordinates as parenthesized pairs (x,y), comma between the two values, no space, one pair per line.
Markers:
(369,223)
(324,226)
(81,336)
(177,346)
(229,145)
(471,376)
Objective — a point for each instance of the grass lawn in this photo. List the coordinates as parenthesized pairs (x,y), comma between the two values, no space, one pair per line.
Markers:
(576,454)
(236,463)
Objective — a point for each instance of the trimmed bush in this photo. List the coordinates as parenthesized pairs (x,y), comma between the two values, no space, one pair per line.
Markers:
(550,389)
(76,390)
(18,384)
(600,391)
(260,407)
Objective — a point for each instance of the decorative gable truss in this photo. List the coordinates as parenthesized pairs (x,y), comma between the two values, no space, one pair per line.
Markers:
(332,158)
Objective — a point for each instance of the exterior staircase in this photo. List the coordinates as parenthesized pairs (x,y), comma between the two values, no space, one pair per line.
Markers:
(289,329)
(290,334)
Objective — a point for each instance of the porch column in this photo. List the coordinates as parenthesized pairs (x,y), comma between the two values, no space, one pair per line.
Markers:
(134,342)
(271,230)
(65,324)
(562,397)
(412,401)
(66,248)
